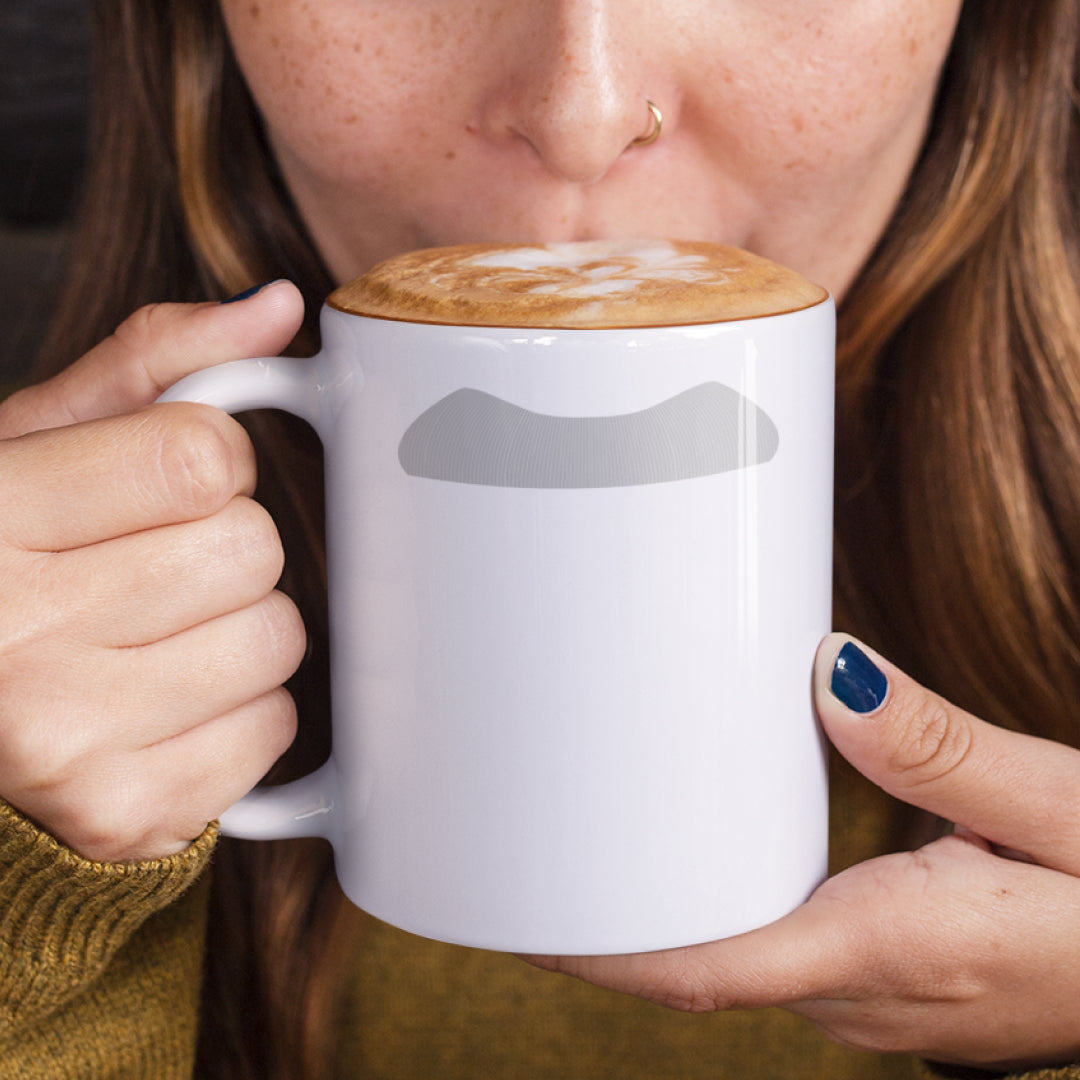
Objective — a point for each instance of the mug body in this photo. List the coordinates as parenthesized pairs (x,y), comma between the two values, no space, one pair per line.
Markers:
(577,579)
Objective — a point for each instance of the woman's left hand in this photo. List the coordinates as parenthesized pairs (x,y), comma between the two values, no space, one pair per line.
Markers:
(966,950)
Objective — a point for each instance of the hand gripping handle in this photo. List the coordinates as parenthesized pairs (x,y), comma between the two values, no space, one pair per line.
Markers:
(305,806)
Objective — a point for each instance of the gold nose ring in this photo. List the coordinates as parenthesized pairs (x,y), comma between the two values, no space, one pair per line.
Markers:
(656,122)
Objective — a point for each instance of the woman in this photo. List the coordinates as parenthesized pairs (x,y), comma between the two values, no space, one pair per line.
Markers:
(916,158)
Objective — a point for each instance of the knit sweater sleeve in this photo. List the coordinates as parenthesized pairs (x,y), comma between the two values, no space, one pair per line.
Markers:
(935,1071)
(100,964)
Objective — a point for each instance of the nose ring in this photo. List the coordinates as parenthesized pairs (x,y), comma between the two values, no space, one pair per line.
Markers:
(656,123)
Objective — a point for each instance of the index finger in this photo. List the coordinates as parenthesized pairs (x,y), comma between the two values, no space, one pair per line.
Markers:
(149,351)
(64,488)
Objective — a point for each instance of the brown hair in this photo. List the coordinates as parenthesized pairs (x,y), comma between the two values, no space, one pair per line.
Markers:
(958,525)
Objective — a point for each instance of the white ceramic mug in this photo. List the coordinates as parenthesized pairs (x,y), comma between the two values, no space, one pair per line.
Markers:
(577,579)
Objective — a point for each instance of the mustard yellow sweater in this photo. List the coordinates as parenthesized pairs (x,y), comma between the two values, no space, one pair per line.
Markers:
(100,975)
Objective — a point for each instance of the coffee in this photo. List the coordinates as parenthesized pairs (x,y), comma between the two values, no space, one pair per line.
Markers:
(589,285)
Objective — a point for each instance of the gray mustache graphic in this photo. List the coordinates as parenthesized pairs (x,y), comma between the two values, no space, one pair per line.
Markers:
(471,437)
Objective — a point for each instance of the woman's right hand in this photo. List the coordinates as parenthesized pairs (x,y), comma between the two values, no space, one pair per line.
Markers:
(143,645)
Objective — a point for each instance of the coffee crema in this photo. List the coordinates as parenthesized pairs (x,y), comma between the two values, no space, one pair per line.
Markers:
(591,284)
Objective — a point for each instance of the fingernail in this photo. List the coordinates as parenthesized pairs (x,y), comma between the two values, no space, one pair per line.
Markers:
(248,292)
(856,680)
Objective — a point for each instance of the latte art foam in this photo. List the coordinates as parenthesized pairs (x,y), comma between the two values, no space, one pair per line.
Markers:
(592,284)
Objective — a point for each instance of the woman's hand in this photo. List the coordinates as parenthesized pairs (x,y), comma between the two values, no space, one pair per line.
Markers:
(967,950)
(142,642)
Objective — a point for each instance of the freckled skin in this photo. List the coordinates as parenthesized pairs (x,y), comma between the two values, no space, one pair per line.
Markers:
(790,126)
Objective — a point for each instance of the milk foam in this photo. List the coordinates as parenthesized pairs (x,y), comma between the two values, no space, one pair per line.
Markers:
(602,268)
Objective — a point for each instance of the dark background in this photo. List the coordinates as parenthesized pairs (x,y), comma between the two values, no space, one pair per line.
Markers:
(44,91)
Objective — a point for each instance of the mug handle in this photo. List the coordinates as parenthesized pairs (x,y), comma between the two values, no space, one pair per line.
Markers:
(305,806)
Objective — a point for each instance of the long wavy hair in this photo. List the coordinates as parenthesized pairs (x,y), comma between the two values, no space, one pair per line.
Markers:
(958,405)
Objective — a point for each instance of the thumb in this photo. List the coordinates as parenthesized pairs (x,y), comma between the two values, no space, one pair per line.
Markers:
(152,349)
(1014,790)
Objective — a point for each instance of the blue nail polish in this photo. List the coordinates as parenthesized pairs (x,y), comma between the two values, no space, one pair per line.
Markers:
(856,680)
(247,293)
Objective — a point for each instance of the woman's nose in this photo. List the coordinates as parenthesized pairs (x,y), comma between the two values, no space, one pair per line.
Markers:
(575,91)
